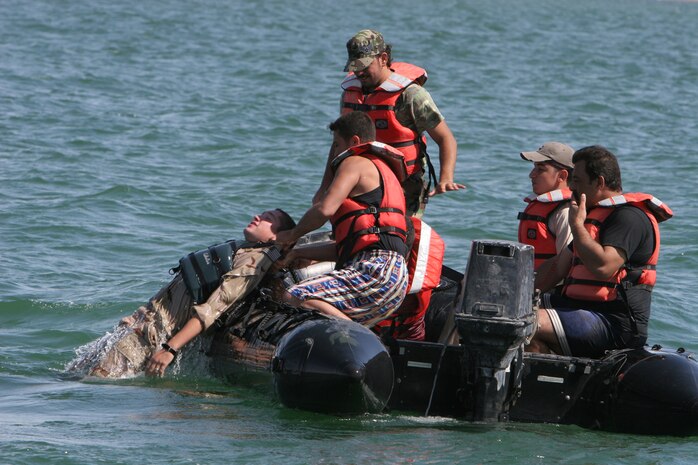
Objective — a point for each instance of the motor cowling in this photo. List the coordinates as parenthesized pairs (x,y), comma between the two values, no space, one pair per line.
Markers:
(494,319)
(332,366)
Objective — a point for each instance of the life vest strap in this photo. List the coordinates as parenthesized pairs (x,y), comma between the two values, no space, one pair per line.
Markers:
(625,284)
(369,211)
(589,282)
(528,216)
(544,255)
(409,143)
(380,230)
(630,285)
(366,107)
(405,143)
(629,310)
(643,267)
(346,246)
(635,271)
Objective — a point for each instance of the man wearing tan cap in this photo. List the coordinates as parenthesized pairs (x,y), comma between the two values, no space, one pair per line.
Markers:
(402,110)
(544,223)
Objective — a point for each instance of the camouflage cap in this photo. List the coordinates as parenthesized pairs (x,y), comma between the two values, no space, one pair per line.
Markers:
(363,48)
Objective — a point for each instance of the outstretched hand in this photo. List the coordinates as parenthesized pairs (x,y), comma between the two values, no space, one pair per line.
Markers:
(446,186)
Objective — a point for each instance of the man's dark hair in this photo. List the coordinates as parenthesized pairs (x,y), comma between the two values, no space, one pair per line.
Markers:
(599,161)
(560,167)
(286,221)
(356,123)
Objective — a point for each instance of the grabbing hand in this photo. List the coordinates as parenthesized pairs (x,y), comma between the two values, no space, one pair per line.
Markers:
(158,363)
(285,239)
(445,186)
(286,260)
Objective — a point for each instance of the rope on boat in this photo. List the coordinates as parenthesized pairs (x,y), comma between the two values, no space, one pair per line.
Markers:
(438,369)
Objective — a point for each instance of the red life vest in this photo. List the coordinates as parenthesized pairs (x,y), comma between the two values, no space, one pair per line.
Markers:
(582,284)
(533,223)
(379,104)
(424,269)
(357,225)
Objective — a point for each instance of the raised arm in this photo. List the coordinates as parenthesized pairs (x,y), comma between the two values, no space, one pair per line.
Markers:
(602,261)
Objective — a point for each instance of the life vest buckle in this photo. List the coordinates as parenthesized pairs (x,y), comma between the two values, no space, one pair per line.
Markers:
(373,230)
(372,210)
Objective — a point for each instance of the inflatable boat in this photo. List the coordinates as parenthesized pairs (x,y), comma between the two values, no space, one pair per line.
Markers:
(471,366)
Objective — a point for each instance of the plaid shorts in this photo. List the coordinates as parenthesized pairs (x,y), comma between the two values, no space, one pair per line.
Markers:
(370,287)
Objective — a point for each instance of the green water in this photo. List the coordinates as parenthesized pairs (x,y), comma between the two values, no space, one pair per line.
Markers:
(134,132)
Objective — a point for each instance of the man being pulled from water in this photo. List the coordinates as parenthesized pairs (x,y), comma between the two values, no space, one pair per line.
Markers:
(366,206)
(169,320)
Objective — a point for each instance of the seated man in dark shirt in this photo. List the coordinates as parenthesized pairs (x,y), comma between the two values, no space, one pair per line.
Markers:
(609,269)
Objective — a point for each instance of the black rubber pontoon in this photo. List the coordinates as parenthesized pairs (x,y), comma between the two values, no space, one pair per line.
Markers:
(472,365)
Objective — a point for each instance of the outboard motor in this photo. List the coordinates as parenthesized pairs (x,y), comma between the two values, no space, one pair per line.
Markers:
(494,319)
(332,366)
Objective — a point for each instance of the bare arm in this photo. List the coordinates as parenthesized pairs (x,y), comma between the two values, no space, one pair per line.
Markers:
(326,177)
(444,138)
(162,358)
(347,177)
(325,252)
(602,261)
(553,270)
(560,226)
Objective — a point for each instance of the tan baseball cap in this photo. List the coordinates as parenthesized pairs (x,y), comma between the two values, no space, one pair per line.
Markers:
(551,151)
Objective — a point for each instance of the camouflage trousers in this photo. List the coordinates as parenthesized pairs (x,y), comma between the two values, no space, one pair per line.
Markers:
(166,312)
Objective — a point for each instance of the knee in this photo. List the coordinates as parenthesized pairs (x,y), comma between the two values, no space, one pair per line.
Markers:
(538,346)
(290,299)
(544,338)
(543,323)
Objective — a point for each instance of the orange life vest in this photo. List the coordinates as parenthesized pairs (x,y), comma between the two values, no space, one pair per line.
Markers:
(424,269)
(425,259)
(582,284)
(533,223)
(379,104)
(357,225)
